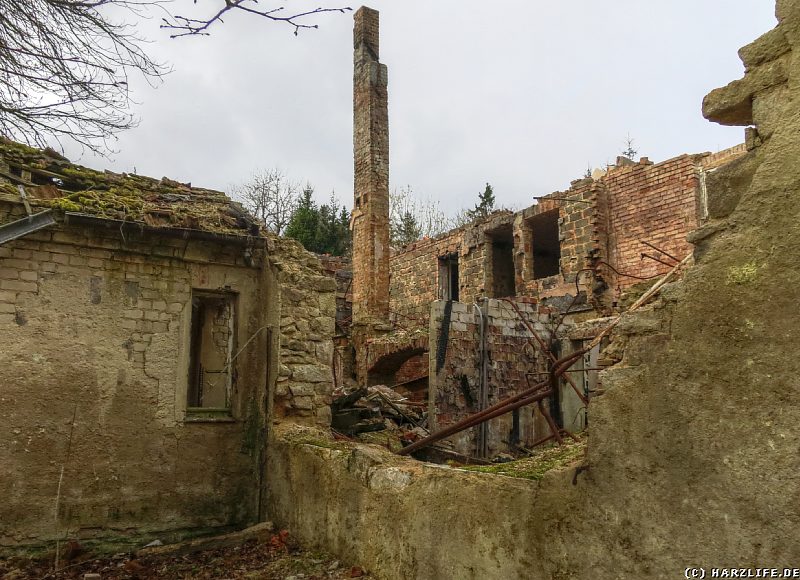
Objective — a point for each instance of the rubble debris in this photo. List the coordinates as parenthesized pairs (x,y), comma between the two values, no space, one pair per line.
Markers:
(379,408)
(275,556)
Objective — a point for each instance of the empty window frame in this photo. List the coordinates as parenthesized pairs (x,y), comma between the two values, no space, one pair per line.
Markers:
(212,342)
(501,256)
(546,245)
(448,277)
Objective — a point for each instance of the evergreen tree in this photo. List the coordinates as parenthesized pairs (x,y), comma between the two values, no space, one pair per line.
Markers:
(629,151)
(322,229)
(485,204)
(405,230)
(304,222)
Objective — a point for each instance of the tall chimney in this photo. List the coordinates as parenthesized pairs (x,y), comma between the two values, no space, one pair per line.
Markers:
(370,218)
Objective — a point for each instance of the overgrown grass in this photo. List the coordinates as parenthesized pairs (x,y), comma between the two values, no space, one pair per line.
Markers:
(537,465)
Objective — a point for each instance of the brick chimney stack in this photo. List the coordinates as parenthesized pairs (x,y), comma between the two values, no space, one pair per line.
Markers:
(370,218)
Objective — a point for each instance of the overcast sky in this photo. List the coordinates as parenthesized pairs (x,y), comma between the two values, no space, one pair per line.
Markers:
(522,94)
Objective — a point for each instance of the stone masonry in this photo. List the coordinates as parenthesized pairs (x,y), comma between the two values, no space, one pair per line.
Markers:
(150,335)
(307,318)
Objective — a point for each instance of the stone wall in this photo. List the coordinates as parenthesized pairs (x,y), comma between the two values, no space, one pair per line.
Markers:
(405,520)
(307,324)
(94,323)
(340,268)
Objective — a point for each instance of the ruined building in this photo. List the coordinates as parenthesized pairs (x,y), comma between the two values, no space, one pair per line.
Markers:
(149,329)
(168,368)
(693,441)
(450,320)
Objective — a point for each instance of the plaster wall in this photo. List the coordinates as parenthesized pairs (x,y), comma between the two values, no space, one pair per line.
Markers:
(96,327)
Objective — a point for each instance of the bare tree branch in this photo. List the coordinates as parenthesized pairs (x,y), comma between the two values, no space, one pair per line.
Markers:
(64,70)
(270,196)
(64,64)
(185,26)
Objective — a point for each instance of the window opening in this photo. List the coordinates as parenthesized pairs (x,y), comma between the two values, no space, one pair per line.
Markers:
(502,264)
(448,277)
(212,338)
(546,250)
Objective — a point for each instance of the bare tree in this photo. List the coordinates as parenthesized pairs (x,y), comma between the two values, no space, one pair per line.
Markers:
(64,70)
(65,64)
(270,196)
(427,215)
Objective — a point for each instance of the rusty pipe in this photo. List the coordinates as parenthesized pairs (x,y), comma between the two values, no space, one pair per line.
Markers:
(526,397)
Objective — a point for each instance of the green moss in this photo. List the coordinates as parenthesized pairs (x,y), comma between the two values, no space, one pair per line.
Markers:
(64,204)
(744,274)
(315,437)
(120,196)
(542,461)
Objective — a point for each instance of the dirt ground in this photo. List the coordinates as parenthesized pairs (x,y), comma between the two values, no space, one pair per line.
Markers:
(279,558)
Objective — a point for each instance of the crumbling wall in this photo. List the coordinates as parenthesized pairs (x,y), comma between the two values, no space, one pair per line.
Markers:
(307,321)
(580,231)
(340,268)
(401,519)
(514,363)
(693,449)
(415,277)
(95,326)
(717,472)
(659,204)
(415,272)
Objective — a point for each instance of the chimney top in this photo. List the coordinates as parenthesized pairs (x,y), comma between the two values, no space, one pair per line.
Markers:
(365,31)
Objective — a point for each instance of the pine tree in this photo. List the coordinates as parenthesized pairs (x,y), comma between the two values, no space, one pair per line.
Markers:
(485,204)
(304,222)
(406,230)
(322,229)
(629,151)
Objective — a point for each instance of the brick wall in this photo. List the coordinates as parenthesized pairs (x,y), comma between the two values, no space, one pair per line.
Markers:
(370,216)
(653,203)
(415,277)
(455,364)
(599,220)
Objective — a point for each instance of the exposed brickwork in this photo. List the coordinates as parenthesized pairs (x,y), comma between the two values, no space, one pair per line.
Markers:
(658,204)
(415,279)
(599,220)
(370,216)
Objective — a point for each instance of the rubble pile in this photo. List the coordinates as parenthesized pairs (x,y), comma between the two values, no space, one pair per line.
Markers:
(378,408)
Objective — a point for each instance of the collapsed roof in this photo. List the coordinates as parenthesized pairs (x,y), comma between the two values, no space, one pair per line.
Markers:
(51,180)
